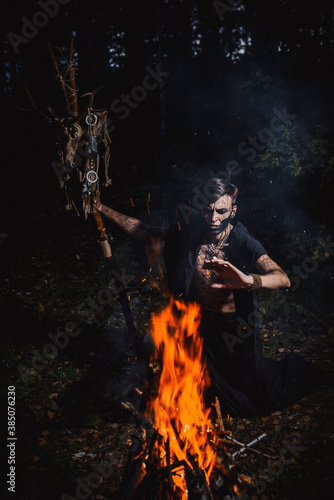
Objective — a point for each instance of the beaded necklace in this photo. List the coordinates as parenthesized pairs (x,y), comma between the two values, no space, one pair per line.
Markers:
(213,249)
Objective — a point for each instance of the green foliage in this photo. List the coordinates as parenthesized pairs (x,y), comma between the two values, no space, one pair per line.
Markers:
(296,153)
(91,419)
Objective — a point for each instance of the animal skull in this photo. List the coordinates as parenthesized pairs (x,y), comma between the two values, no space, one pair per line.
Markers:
(68,137)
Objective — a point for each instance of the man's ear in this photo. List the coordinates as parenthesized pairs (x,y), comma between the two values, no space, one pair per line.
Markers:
(234,209)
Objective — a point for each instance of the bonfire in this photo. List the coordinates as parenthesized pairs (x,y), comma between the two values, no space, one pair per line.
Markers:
(185,451)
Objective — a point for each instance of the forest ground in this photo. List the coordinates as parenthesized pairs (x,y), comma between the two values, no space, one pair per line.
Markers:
(67,421)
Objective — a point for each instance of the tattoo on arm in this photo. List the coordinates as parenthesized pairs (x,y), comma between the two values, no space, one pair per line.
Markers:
(266,265)
(132,226)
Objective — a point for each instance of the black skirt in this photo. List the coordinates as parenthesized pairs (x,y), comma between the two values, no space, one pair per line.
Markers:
(245,382)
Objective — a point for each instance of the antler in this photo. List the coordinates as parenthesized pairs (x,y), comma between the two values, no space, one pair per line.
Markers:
(69,90)
(72,83)
(48,120)
(91,96)
(58,75)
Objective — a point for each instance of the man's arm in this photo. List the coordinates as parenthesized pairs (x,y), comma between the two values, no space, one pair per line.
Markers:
(272,275)
(132,226)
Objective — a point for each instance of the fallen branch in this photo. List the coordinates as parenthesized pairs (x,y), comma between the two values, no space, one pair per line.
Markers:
(139,417)
(245,447)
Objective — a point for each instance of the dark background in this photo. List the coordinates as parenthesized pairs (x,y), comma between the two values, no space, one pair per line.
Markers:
(228,69)
(225,78)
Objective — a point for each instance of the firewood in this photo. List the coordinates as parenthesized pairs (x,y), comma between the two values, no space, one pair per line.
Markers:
(219,414)
(139,418)
(169,471)
(138,467)
(198,488)
(248,446)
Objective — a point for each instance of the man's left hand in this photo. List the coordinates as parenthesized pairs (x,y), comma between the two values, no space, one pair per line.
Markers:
(232,276)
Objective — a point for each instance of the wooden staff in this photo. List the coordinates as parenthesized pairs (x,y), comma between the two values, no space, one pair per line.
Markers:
(108,255)
(92,192)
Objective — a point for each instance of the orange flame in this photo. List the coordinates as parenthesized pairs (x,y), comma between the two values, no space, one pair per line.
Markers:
(179,412)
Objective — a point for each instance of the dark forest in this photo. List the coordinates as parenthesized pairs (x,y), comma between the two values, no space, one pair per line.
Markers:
(241,90)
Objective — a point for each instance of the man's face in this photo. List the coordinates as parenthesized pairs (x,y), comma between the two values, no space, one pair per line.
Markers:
(219,210)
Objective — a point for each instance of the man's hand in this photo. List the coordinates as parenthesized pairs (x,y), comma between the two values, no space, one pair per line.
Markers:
(272,276)
(232,276)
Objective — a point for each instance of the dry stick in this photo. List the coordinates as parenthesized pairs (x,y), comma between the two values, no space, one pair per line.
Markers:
(152,437)
(91,96)
(106,157)
(30,97)
(219,414)
(246,447)
(59,77)
(45,117)
(225,441)
(139,417)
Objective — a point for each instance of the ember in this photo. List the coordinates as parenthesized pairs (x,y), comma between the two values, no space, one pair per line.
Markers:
(179,413)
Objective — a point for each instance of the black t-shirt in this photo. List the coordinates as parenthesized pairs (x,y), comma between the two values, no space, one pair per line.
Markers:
(243,250)
(182,246)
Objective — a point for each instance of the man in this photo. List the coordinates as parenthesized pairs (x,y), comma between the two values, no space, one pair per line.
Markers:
(214,261)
